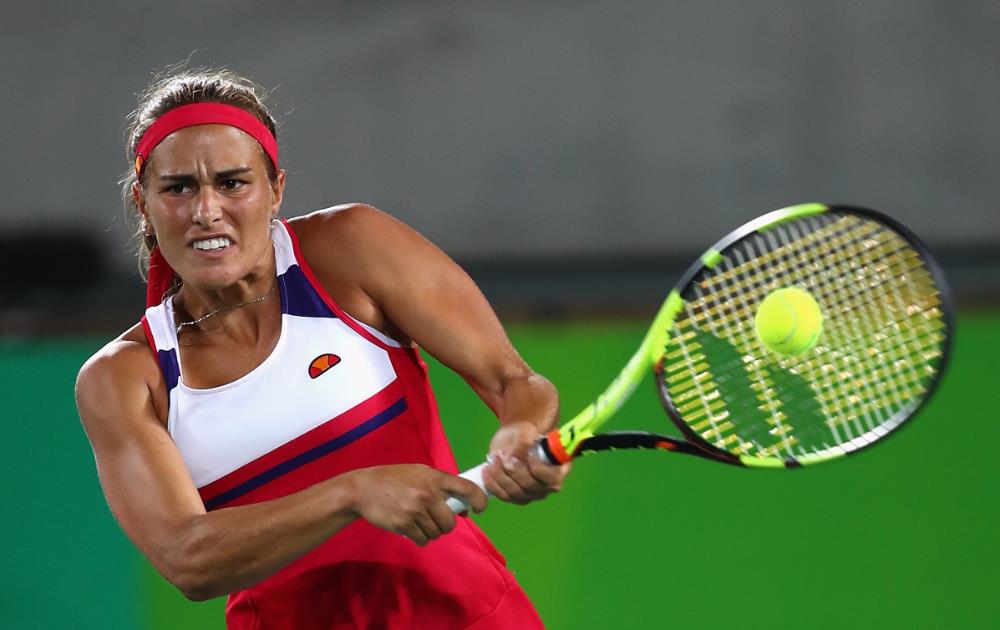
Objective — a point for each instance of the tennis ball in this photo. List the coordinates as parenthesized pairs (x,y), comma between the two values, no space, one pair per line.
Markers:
(788,321)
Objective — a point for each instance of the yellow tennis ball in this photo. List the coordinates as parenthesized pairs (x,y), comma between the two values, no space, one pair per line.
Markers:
(789,321)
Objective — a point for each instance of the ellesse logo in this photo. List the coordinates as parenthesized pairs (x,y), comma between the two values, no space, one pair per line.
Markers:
(321,364)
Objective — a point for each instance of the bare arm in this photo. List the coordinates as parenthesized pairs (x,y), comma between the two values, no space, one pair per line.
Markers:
(411,287)
(206,554)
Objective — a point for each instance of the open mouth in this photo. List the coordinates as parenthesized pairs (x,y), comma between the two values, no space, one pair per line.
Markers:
(212,244)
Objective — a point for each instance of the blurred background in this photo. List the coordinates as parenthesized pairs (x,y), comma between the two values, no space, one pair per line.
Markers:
(574,157)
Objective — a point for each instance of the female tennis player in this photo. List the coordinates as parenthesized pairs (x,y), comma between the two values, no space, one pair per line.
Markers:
(267,430)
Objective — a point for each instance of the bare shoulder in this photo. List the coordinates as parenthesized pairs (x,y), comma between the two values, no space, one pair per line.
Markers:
(124,370)
(129,352)
(358,244)
(353,226)
(366,259)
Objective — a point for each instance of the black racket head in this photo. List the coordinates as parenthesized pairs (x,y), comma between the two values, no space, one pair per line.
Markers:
(887,323)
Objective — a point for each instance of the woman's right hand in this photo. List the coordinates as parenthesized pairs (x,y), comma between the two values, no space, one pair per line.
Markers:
(409,499)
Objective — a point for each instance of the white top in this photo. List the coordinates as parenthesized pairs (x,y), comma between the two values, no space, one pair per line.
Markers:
(220,429)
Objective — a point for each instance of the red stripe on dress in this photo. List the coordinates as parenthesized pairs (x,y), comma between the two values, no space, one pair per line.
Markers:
(149,336)
(325,432)
(411,372)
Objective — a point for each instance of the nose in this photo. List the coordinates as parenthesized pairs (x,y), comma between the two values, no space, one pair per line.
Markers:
(207,207)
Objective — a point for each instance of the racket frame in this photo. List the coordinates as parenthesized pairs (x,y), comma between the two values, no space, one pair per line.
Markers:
(578,435)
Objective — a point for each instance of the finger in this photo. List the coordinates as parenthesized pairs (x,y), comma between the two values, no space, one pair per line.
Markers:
(509,489)
(414,533)
(466,490)
(547,475)
(443,517)
(493,487)
(428,526)
(522,474)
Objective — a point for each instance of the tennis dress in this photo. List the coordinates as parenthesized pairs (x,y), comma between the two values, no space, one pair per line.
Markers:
(333,396)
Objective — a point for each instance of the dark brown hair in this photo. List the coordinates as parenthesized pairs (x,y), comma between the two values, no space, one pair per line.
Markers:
(170,89)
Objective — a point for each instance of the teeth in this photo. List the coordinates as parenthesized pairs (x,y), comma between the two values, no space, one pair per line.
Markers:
(212,243)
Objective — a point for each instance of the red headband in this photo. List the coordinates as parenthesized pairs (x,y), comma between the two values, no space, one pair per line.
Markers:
(204,114)
(161,275)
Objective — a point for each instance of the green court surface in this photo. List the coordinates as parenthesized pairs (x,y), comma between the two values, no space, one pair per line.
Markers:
(902,535)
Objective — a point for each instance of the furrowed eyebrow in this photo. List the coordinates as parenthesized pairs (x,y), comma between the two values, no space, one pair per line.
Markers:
(188,177)
(233,171)
(177,177)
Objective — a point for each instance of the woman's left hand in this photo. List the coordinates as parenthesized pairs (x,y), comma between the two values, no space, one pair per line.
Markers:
(515,473)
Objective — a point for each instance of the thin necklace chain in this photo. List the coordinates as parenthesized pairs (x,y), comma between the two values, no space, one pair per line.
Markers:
(195,322)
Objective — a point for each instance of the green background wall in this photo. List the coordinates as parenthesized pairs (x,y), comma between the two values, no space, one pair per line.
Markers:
(903,535)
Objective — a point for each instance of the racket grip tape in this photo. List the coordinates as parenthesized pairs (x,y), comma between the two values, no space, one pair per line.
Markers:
(475,475)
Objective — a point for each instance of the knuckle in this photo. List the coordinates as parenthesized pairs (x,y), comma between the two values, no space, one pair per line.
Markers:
(406,514)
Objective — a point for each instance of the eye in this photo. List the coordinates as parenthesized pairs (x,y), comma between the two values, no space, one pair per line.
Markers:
(232,184)
(177,188)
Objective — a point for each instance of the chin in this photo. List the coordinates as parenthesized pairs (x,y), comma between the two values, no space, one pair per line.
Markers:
(214,279)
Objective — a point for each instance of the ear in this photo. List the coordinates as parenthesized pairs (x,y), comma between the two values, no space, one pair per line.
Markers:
(140,200)
(277,192)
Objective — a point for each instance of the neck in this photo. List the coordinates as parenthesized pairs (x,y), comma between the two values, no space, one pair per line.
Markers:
(238,308)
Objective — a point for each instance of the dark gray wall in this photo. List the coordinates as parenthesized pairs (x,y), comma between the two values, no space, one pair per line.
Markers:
(512,128)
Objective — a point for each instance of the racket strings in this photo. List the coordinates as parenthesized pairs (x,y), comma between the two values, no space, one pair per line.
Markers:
(814,265)
(858,332)
(875,321)
(892,381)
(717,303)
(853,328)
(883,333)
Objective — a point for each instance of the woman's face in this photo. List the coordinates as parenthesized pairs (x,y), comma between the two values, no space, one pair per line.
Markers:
(209,201)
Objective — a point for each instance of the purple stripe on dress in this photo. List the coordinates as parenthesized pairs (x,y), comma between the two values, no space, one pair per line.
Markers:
(358,432)
(298,297)
(168,363)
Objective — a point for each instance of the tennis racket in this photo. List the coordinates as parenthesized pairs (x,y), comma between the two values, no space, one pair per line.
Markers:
(886,335)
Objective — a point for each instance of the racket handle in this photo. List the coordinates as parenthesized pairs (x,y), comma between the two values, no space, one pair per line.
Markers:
(475,475)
